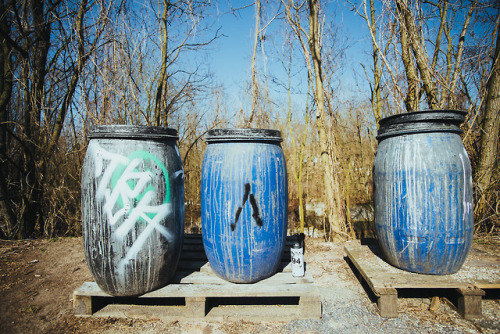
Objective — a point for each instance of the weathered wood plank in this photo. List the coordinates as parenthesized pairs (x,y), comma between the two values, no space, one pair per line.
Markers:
(211,290)
(387,302)
(195,284)
(478,273)
(196,297)
(469,303)
(193,255)
(203,277)
(249,313)
(379,273)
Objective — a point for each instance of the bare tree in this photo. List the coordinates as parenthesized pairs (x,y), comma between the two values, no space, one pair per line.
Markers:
(190,13)
(152,64)
(50,43)
(430,66)
(310,42)
(260,95)
(6,83)
(255,87)
(298,138)
(442,48)
(488,172)
(378,65)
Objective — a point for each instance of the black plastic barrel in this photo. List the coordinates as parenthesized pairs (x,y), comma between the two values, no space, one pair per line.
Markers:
(132,207)
(423,192)
(244,203)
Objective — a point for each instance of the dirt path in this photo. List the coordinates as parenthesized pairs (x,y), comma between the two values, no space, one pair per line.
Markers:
(37,278)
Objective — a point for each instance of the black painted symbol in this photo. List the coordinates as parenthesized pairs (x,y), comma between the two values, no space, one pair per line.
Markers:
(253,203)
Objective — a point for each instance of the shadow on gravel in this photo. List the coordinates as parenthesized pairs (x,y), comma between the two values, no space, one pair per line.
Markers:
(361,280)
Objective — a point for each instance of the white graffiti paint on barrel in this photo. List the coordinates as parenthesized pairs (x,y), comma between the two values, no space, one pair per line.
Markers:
(133,229)
(120,184)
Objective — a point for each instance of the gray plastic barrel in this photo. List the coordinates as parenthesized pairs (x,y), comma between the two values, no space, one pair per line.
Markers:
(423,192)
(132,207)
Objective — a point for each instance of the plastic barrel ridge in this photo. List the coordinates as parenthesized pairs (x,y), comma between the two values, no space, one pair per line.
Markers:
(132,207)
(423,192)
(244,201)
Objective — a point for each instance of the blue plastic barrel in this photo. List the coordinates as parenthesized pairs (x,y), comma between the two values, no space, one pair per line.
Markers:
(132,207)
(244,203)
(423,192)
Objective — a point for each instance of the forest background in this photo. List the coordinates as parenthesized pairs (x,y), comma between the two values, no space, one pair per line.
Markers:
(66,65)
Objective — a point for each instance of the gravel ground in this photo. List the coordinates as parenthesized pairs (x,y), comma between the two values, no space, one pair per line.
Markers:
(347,308)
(37,279)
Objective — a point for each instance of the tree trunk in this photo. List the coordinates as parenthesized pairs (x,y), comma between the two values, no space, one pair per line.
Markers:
(407,22)
(6,77)
(78,69)
(377,71)
(328,153)
(255,87)
(485,175)
(298,153)
(412,96)
(31,203)
(161,113)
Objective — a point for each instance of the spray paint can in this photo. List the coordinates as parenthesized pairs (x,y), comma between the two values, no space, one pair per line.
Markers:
(297,255)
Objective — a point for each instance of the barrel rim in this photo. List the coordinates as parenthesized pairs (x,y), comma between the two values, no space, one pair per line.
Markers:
(119,131)
(422,121)
(425,115)
(243,134)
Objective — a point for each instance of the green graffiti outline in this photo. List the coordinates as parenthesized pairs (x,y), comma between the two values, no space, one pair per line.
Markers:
(143,155)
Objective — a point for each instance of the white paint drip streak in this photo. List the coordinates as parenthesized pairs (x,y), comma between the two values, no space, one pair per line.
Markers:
(123,190)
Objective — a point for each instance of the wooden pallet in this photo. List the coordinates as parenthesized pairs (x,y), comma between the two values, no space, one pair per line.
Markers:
(480,272)
(196,292)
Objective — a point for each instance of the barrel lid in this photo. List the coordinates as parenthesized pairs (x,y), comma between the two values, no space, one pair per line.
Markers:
(132,132)
(421,122)
(229,135)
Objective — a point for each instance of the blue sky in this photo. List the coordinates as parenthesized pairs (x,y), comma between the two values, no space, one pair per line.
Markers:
(231,55)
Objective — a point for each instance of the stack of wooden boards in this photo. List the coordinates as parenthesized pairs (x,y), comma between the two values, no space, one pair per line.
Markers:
(197,292)
(481,271)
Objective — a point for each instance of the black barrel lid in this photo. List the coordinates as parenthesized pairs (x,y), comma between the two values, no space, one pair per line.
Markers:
(421,122)
(132,132)
(229,135)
